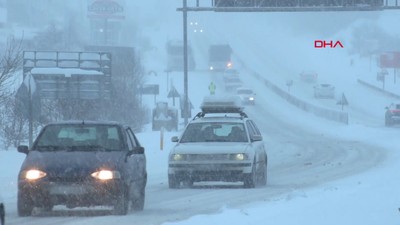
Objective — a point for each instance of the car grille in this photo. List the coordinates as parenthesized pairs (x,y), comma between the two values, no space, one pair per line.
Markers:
(69,176)
(207,157)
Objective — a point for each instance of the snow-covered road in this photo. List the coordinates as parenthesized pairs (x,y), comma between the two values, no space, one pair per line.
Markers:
(298,158)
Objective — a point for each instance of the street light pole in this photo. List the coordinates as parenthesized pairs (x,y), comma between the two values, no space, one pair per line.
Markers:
(185,63)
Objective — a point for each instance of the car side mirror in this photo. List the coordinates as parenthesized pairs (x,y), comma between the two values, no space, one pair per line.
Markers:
(255,137)
(23,149)
(175,139)
(138,150)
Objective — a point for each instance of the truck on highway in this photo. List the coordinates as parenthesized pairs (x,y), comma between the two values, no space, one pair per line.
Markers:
(219,57)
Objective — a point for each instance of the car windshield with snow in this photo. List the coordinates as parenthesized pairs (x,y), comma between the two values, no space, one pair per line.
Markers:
(220,144)
(83,164)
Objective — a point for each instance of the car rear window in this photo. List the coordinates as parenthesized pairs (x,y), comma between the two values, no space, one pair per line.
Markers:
(214,132)
(79,137)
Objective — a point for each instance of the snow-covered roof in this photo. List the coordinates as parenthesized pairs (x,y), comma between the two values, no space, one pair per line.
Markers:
(65,71)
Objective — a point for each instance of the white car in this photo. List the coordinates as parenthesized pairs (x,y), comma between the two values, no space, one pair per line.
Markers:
(220,144)
(246,95)
(324,91)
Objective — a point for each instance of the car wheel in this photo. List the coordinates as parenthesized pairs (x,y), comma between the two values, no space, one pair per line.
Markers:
(250,179)
(2,214)
(24,205)
(173,182)
(263,177)
(121,204)
(138,204)
(388,122)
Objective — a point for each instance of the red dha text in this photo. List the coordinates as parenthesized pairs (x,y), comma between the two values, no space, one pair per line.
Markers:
(325,44)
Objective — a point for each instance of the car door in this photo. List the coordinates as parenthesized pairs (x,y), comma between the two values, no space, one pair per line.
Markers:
(137,161)
(258,146)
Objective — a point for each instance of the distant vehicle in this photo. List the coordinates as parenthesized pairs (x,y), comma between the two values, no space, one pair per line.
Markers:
(246,95)
(164,116)
(2,213)
(324,91)
(219,57)
(232,83)
(220,144)
(309,76)
(175,56)
(392,115)
(83,164)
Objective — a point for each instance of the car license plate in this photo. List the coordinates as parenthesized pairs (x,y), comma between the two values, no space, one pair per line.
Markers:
(67,189)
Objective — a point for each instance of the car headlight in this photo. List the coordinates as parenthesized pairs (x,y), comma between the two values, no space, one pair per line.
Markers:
(34,174)
(239,156)
(106,175)
(251,98)
(177,157)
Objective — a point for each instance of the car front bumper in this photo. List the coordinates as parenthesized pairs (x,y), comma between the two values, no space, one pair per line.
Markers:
(71,194)
(221,171)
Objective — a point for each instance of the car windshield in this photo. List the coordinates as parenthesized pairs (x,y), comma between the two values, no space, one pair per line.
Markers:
(214,132)
(79,138)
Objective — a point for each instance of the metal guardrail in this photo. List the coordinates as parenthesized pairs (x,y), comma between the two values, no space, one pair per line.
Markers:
(329,114)
(376,88)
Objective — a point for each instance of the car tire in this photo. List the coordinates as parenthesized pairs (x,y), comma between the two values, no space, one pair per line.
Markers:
(388,122)
(2,214)
(263,176)
(173,183)
(138,204)
(121,203)
(250,179)
(24,205)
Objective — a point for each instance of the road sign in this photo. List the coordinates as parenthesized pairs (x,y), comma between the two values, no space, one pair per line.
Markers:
(150,89)
(173,93)
(343,101)
(107,9)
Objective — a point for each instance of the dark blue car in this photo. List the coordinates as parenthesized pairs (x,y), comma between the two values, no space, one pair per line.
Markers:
(83,164)
(2,214)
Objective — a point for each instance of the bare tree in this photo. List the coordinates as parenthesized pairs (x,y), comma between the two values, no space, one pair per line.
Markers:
(11,120)
(10,63)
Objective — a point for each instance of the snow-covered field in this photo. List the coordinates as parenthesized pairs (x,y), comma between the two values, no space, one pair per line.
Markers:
(320,172)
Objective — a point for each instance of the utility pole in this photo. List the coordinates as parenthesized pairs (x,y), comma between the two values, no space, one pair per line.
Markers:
(30,109)
(185,63)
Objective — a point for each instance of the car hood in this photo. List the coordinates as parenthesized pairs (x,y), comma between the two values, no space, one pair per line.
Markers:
(72,164)
(210,148)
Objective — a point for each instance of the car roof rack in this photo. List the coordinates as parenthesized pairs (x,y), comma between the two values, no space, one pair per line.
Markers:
(223,105)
